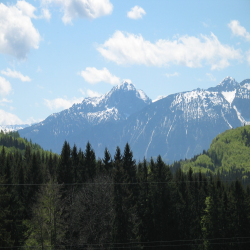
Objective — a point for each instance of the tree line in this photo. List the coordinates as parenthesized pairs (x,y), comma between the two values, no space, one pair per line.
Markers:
(75,201)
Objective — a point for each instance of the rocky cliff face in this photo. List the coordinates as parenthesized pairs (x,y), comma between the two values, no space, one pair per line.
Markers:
(177,126)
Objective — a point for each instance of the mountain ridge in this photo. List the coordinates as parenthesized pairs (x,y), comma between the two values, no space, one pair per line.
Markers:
(177,126)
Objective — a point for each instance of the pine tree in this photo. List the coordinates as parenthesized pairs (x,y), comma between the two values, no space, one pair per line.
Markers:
(65,173)
(107,161)
(5,223)
(75,164)
(120,220)
(144,210)
(90,161)
(160,196)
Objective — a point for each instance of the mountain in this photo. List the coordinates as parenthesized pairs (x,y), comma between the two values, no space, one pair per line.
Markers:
(115,106)
(177,126)
(9,128)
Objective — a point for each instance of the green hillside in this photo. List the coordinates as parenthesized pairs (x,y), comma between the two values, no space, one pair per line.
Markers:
(12,142)
(228,151)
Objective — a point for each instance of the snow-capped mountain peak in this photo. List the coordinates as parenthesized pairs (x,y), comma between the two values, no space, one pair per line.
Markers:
(228,82)
(126,85)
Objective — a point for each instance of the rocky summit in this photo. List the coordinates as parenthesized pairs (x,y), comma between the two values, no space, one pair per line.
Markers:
(177,126)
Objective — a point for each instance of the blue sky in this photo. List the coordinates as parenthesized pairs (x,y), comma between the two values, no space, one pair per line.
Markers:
(54,53)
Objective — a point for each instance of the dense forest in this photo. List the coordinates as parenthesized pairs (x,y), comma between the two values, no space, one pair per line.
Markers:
(75,201)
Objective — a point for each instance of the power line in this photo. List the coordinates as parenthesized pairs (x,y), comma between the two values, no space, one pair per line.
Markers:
(162,244)
(103,183)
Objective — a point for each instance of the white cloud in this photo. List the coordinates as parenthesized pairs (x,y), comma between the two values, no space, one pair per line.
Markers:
(248,56)
(238,30)
(8,118)
(174,74)
(211,77)
(5,86)
(45,14)
(60,103)
(190,51)
(136,12)
(5,100)
(93,75)
(92,93)
(18,35)
(82,8)
(16,74)
(80,90)
(26,8)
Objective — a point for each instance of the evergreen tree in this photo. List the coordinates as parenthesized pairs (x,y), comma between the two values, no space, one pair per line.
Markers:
(75,164)
(90,161)
(5,223)
(160,196)
(120,220)
(107,161)
(144,210)
(65,173)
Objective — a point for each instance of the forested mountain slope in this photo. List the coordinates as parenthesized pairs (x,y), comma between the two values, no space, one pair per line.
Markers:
(12,142)
(229,151)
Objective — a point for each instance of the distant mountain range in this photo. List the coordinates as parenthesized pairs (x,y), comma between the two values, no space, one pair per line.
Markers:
(176,126)
(10,128)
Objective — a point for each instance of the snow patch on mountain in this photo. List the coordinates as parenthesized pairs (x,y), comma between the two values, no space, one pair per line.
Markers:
(240,117)
(104,115)
(246,86)
(141,94)
(159,98)
(94,101)
(229,95)
(149,143)
(226,120)
(126,85)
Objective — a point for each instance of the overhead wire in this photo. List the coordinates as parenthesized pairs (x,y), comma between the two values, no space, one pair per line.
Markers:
(162,244)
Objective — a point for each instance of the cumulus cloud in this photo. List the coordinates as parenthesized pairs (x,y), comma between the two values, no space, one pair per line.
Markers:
(26,8)
(239,30)
(211,77)
(190,51)
(82,8)
(174,74)
(136,12)
(5,87)
(15,74)
(60,103)
(18,35)
(8,118)
(92,93)
(93,75)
